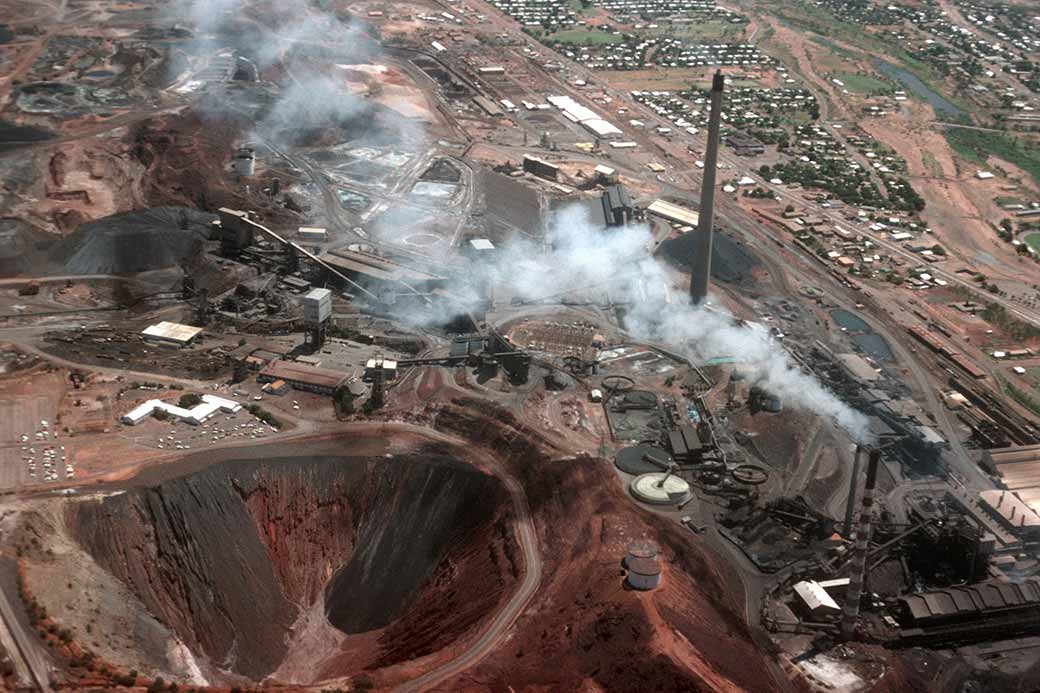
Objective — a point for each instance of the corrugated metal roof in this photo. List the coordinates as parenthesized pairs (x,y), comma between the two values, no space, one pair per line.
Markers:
(172,331)
(973,599)
(815,596)
(674,213)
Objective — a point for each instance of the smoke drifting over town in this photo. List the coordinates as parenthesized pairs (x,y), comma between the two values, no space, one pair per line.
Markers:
(581,255)
(585,259)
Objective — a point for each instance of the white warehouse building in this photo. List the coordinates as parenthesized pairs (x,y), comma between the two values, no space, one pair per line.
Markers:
(209,406)
(586,117)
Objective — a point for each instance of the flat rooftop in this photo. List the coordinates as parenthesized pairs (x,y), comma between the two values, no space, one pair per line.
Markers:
(292,371)
(672,212)
(376,267)
(172,332)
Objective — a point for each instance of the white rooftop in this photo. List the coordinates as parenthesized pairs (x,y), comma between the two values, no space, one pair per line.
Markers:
(209,406)
(172,331)
(317,294)
(814,596)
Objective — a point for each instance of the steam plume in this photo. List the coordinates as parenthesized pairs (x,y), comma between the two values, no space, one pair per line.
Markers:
(584,255)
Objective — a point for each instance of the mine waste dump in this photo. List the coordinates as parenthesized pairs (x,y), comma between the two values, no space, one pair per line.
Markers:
(228,557)
(12,135)
(23,250)
(130,242)
(731,262)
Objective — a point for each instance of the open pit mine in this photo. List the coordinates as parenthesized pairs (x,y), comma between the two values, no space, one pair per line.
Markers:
(518,346)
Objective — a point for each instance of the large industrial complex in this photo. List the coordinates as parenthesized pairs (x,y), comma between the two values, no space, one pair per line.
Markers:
(509,345)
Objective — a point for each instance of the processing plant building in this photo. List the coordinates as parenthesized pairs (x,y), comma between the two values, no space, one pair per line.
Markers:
(302,376)
(972,612)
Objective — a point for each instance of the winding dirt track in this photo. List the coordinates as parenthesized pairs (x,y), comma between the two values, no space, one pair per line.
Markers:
(496,630)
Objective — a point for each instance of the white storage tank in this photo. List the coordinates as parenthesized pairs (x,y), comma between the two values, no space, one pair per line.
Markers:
(642,548)
(244,163)
(644,573)
(317,305)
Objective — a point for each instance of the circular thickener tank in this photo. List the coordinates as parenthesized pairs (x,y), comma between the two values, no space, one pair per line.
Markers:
(642,459)
(660,488)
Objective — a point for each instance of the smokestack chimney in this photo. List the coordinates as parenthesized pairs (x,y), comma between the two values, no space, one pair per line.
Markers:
(850,506)
(858,573)
(701,264)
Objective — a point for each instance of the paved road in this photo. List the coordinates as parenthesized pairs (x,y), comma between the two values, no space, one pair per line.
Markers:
(505,618)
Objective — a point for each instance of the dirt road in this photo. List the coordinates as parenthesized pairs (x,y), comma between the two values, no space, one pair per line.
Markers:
(489,639)
(27,647)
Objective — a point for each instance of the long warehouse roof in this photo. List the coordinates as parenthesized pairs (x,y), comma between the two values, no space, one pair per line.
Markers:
(672,212)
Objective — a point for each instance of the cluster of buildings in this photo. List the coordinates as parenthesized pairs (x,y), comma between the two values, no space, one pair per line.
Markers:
(765,112)
(200,413)
(559,15)
(637,52)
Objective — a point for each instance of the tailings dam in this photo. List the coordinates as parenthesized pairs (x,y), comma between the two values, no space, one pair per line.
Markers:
(419,547)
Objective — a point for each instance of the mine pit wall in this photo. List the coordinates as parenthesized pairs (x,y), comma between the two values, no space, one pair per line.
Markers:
(228,556)
(581,619)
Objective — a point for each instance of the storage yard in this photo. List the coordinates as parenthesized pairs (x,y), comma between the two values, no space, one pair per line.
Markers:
(682,346)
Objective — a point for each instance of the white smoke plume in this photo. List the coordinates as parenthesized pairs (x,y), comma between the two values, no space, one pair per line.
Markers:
(585,259)
(310,50)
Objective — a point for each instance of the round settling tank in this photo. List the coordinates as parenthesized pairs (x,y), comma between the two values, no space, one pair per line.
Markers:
(640,459)
(644,573)
(660,488)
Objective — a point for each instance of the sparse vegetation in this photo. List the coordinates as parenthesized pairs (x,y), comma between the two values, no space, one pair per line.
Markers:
(1022,397)
(264,415)
(978,145)
(998,315)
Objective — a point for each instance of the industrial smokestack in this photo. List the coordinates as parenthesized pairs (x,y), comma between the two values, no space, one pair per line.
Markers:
(701,264)
(850,507)
(858,573)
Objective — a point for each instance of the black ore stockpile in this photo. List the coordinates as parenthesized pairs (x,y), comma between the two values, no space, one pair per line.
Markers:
(730,262)
(23,250)
(131,242)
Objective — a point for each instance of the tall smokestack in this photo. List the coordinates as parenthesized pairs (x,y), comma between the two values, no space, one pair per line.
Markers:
(701,265)
(858,573)
(850,506)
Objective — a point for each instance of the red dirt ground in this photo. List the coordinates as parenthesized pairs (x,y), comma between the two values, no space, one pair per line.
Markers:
(584,629)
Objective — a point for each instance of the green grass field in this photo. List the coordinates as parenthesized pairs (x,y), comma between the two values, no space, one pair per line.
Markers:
(864,84)
(977,145)
(1033,241)
(585,37)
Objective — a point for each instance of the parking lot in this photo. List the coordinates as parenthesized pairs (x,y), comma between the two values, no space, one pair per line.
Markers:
(30,449)
(177,435)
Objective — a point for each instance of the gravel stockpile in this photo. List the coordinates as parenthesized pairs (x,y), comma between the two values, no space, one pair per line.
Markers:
(132,242)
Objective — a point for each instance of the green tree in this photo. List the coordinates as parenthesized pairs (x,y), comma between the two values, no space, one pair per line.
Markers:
(189,400)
